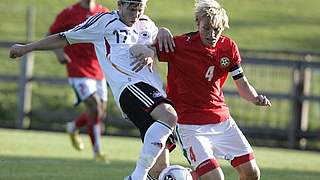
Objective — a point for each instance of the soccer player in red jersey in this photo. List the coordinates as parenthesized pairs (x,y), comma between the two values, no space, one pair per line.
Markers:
(197,71)
(84,75)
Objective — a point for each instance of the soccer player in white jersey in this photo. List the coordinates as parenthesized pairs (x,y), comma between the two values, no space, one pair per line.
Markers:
(139,94)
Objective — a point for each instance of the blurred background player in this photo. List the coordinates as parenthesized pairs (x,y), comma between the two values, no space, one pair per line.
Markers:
(84,75)
(197,71)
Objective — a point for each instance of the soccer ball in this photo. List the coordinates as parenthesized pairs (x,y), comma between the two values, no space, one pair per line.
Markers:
(175,172)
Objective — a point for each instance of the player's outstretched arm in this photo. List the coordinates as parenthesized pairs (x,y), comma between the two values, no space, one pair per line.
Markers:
(248,92)
(48,43)
(62,57)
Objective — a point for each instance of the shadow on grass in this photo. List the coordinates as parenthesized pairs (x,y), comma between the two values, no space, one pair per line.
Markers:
(32,168)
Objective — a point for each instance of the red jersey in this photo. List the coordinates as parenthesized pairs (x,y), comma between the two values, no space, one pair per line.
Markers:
(196,74)
(84,62)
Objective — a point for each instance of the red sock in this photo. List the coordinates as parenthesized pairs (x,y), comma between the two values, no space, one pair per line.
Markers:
(81,121)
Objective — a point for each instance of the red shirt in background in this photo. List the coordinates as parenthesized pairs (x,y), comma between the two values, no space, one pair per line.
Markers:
(196,74)
(84,62)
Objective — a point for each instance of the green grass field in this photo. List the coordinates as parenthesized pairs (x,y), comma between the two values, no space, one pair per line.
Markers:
(37,155)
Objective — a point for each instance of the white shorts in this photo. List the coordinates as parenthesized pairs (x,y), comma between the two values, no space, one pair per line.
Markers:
(85,87)
(213,141)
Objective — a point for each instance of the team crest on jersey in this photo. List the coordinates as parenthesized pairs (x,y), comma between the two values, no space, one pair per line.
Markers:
(145,35)
(224,62)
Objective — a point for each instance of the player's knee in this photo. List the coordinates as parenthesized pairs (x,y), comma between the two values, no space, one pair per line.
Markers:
(252,174)
(93,101)
(249,171)
(255,175)
(172,119)
(247,167)
(100,112)
(103,108)
(166,114)
(96,111)
(171,116)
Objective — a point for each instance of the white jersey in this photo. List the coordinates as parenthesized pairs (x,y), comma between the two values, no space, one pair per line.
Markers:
(106,30)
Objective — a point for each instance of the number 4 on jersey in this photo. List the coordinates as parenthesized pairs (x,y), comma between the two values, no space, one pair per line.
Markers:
(209,73)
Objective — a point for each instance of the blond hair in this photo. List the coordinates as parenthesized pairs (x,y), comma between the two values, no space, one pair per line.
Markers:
(212,10)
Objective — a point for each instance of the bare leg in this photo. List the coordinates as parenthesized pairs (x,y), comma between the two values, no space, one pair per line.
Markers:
(161,163)
(248,171)
(215,174)
(96,112)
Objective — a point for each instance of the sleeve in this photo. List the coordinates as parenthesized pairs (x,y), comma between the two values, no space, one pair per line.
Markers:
(236,58)
(60,23)
(90,31)
(235,69)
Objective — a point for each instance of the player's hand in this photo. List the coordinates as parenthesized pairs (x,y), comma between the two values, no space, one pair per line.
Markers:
(262,100)
(165,40)
(140,61)
(143,56)
(17,50)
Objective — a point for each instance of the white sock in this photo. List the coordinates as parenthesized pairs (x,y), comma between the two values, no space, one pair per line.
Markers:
(97,135)
(154,143)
